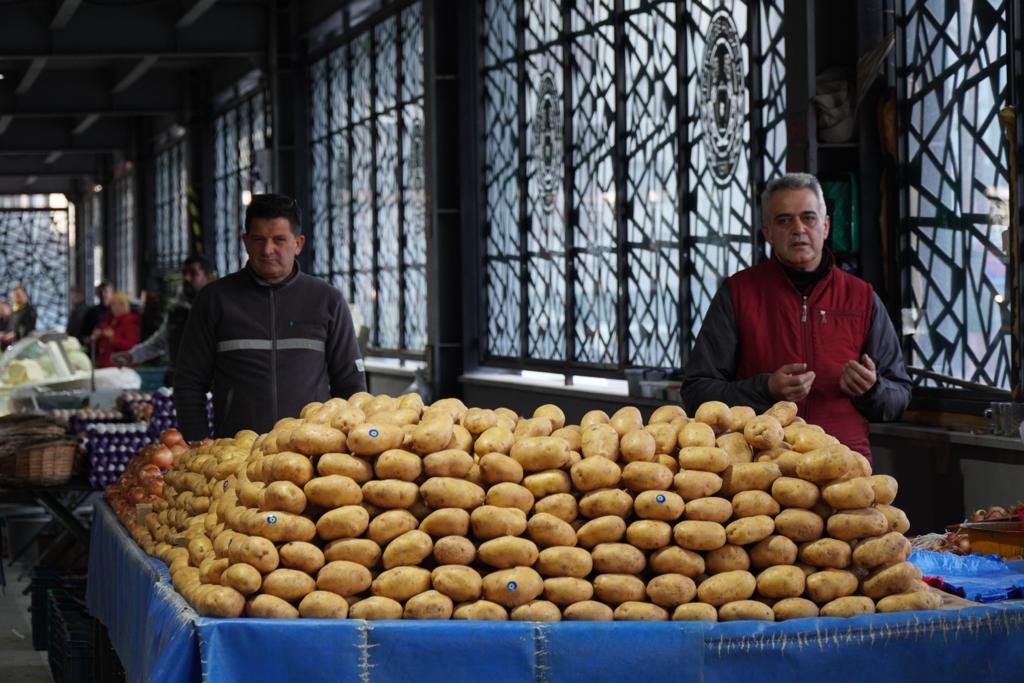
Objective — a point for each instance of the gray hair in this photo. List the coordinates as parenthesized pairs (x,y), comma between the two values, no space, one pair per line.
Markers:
(793,181)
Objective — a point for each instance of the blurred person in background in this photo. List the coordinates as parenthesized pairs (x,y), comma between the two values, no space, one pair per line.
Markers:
(119,331)
(76,316)
(23,318)
(152,311)
(93,316)
(196,273)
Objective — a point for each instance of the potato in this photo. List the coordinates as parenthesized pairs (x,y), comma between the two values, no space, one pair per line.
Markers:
(828,584)
(401,583)
(316,439)
(534,426)
(704,458)
(571,435)
(763,432)
(616,589)
(897,578)
(906,602)
(799,525)
(696,435)
(826,553)
(665,506)
(344,522)
(429,605)
(548,482)
(795,493)
(646,476)
(447,492)
(509,495)
(751,476)
(446,522)
(671,590)
(752,503)
(282,526)
(699,535)
(537,610)
(376,608)
(565,561)
(333,491)
(302,556)
(374,438)
(665,414)
(885,488)
(390,494)
(600,440)
(749,529)
(783,411)
(347,417)
(283,495)
(547,530)
(783,581)
(359,550)
(561,505)
(566,590)
(458,582)
(265,606)
(496,439)
(794,608)
(287,466)
(478,420)
(606,529)
(626,419)
(512,587)
(595,473)
(728,558)
(540,453)
(605,502)
(897,518)
(454,550)
(496,468)
(592,417)
(345,465)
(410,548)
(716,415)
(389,525)
(787,460)
(883,551)
(740,610)
(640,611)
(741,415)
(807,440)
(508,551)
(710,509)
(666,436)
(398,464)
(199,549)
(480,610)
(323,605)
(258,552)
(649,534)
(850,494)
(638,445)
(695,611)
(850,524)
(431,434)
(243,577)
(825,464)
(737,448)
(691,484)
(344,578)
(850,606)
(726,587)
(290,585)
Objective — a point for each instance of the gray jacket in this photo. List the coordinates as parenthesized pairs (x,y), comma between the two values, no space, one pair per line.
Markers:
(265,351)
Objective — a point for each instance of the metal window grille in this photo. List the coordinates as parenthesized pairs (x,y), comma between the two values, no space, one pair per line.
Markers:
(172,224)
(617,183)
(34,254)
(125,231)
(367,196)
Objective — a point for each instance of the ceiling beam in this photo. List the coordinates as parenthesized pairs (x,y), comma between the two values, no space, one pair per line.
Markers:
(64,13)
(85,124)
(5,121)
(53,157)
(34,165)
(197,10)
(30,76)
(135,73)
(106,53)
(42,136)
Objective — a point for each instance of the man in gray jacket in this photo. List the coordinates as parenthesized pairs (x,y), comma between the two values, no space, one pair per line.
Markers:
(267,339)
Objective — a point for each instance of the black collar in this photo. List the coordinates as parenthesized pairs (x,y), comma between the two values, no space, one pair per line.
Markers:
(804,281)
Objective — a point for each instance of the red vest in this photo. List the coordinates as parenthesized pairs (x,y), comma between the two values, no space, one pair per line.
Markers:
(776,326)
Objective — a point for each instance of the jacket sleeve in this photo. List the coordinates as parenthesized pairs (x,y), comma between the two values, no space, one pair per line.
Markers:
(890,396)
(153,347)
(344,362)
(126,334)
(193,375)
(710,373)
(26,322)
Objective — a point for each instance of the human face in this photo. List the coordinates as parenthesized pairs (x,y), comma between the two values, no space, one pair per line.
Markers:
(796,227)
(272,248)
(119,307)
(106,294)
(19,296)
(194,278)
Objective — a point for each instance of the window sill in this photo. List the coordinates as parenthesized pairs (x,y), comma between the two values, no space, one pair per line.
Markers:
(391,366)
(496,378)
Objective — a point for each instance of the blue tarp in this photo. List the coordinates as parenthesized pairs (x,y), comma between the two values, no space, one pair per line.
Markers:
(981,578)
(161,639)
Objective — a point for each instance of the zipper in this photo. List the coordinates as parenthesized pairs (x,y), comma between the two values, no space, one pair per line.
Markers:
(804,407)
(273,353)
(803,311)
(821,312)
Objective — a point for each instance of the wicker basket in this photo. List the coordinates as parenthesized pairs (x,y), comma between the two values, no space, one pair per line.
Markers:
(43,464)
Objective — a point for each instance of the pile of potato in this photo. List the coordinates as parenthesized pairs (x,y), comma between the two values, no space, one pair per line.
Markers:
(382,508)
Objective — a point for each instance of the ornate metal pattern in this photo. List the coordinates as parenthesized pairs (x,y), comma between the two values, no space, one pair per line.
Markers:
(368,182)
(172,223)
(622,276)
(954,73)
(34,254)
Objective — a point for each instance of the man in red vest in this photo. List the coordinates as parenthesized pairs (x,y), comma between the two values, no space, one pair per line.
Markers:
(796,328)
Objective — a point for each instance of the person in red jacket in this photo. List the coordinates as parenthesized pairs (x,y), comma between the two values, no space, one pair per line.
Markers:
(796,328)
(119,331)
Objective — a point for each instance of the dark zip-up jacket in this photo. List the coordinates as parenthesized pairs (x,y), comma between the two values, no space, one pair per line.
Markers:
(265,351)
(736,352)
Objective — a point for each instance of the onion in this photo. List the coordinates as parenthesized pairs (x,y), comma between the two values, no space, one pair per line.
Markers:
(179,449)
(162,457)
(154,487)
(169,437)
(136,494)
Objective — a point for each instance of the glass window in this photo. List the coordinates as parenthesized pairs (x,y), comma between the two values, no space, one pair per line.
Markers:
(34,254)
(172,222)
(125,230)
(369,221)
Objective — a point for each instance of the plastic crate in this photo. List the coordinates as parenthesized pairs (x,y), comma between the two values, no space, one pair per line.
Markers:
(44,580)
(72,642)
(152,377)
(106,665)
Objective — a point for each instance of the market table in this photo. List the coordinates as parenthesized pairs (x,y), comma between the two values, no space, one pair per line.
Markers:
(160,638)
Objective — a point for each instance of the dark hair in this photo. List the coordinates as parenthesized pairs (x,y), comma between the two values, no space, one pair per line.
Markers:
(201,261)
(103,285)
(273,205)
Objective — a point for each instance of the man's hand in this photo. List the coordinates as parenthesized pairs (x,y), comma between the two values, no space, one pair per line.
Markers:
(858,378)
(790,382)
(121,358)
